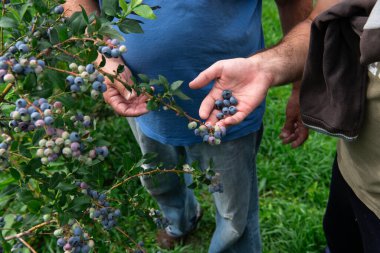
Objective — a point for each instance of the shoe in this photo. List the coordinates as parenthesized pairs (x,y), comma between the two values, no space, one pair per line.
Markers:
(166,241)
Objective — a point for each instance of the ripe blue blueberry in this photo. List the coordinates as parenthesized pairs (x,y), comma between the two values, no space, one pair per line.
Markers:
(233,101)
(78,80)
(74,136)
(226,94)
(225,111)
(232,110)
(24,48)
(70,79)
(90,68)
(74,88)
(17,68)
(59,9)
(115,53)
(219,104)
(21,103)
(219,115)
(226,102)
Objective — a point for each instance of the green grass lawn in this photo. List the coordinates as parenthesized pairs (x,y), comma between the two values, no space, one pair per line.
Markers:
(293,183)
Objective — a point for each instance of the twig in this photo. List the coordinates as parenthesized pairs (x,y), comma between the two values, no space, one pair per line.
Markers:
(27,245)
(29,231)
(6,90)
(126,235)
(147,173)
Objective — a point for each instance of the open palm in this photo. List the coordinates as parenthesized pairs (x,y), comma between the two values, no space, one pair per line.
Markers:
(249,85)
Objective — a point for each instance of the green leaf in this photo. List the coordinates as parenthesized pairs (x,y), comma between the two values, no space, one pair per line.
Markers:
(84,14)
(15,174)
(130,26)
(152,105)
(53,35)
(77,23)
(134,3)
(162,80)
(65,186)
(7,22)
(78,204)
(176,85)
(23,9)
(108,31)
(124,6)
(109,7)
(38,134)
(103,62)
(144,11)
(34,205)
(143,78)
(120,68)
(181,95)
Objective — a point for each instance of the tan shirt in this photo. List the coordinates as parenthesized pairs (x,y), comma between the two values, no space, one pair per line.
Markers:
(359,161)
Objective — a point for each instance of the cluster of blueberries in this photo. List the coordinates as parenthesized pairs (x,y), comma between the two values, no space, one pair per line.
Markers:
(68,145)
(160,221)
(216,184)
(75,239)
(101,210)
(26,117)
(81,120)
(86,74)
(10,66)
(113,49)
(209,133)
(4,147)
(227,105)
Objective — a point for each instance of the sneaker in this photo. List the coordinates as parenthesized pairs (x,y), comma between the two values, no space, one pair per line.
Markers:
(166,241)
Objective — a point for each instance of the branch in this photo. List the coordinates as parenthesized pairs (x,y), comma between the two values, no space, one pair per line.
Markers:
(29,231)
(27,245)
(126,235)
(6,90)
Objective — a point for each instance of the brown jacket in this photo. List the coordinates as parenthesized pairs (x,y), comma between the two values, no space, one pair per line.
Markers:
(335,77)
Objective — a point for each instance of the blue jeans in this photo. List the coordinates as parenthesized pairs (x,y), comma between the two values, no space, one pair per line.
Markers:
(237,212)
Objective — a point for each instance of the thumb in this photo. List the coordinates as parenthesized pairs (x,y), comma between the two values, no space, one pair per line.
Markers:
(206,76)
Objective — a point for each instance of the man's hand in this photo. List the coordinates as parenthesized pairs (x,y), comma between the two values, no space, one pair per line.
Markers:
(244,77)
(124,102)
(294,132)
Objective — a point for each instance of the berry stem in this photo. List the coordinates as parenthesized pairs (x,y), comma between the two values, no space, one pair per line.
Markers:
(29,231)
(6,91)
(130,238)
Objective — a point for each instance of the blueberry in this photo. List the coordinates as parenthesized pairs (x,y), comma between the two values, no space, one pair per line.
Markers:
(115,42)
(45,106)
(115,53)
(103,88)
(13,49)
(90,68)
(77,231)
(100,78)
(226,94)
(41,63)
(219,104)
(74,88)
(205,138)
(225,110)
(21,103)
(61,242)
(59,9)
(220,115)
(17,68)
(78,80)
(23,48)
(106,51)
(232,110)
(74,136)
(35,116)
(233,101)
(226,102)
(96,85)
(70,79)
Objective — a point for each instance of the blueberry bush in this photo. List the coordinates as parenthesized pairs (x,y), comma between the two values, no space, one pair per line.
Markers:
(64,187)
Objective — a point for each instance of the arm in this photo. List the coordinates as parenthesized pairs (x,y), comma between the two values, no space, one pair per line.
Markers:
(117,96)
(250,78)
(291,13)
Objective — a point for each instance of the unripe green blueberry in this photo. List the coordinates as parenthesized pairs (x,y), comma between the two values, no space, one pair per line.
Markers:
(59,141)
(85,75)
(93,76)
(67,152)
(73,66)
(88,161)
(44,160)
(71,222)
(2,152)
(123,49)
(48,151)
(50,144)
(46,217)
(57,149)
(65,135)
(67,142)
(86,118)
(9,78)
(91,243)
(24,62)
(58,232)
(25,118)
(81,68)
(40,152)
(192,125)
(217,141)
(202,128)
(17,129)
(33,63)
(38,70)
(95,94)
(42,143)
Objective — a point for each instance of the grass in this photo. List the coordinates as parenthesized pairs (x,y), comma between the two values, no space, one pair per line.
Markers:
(293,183)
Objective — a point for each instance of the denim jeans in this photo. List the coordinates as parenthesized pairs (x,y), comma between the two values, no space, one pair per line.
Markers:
(237,219)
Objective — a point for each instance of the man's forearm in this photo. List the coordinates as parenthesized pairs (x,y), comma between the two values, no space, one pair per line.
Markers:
(293,12)
(72,6)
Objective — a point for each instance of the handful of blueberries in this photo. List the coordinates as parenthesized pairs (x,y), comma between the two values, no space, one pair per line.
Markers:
(213,134)
(227,105)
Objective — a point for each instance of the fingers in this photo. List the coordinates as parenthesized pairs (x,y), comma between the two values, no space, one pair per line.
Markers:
(302,135)
(208,104)
(207,76)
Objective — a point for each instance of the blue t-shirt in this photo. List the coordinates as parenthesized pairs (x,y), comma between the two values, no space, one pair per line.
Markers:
(186,38)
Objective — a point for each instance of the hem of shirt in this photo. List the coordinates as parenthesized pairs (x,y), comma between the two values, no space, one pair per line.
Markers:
(186,142)
(361,194)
